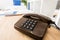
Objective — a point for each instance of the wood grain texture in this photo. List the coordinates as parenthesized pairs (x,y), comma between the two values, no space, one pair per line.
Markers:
(8,32)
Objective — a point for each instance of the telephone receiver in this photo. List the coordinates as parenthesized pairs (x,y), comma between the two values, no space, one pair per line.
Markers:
(39,17)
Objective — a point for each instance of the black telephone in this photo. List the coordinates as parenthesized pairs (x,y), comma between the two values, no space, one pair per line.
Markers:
(33,25)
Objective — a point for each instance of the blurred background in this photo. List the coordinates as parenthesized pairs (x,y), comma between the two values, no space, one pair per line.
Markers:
(50,8)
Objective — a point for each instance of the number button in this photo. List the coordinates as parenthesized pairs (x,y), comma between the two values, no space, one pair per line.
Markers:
(24,26)
(31,22)
(31,28)
(35,21)
(27,27)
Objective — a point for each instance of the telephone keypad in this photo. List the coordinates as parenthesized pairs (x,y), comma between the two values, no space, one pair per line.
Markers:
(30,24)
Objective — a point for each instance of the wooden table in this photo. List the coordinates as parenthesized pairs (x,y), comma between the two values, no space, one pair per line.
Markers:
(8,32)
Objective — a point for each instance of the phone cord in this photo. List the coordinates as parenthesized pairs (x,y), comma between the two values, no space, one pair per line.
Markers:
(55,25)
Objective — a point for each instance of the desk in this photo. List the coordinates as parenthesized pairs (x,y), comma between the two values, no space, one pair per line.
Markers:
(8,32)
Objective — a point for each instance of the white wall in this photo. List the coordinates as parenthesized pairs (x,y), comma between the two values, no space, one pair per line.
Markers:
(35,6)
(4,4)
(57,18)
(45,7)
(48,7)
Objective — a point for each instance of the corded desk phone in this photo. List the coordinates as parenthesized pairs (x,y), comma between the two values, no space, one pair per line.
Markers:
(33,25)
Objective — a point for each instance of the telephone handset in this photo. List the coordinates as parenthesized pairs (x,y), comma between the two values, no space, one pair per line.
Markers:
(33,25)
(39,17)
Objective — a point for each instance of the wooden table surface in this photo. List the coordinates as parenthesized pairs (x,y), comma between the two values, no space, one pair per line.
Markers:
(8,32)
